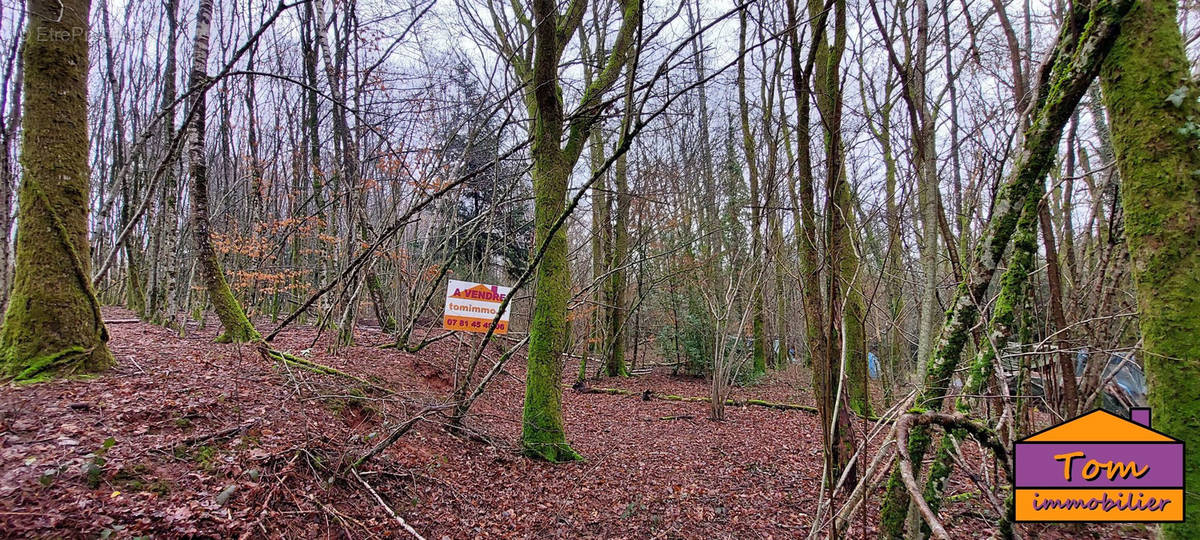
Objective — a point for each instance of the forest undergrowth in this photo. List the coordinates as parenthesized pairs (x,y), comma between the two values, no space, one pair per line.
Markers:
(186,437)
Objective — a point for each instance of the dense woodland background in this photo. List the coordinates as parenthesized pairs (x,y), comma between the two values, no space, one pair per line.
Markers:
(893,202)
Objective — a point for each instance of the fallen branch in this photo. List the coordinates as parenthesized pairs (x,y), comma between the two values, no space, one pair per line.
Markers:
(947,422)
(399,520)
(414,349)
(585,389)
(273,354)
(875,472)
(910,482)
(205,437)
(397,433)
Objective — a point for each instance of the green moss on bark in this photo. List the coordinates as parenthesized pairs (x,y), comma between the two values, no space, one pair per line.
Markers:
(542,432)
(238,328)
(855,350)
(1073,66)
(759,351)
(1160,167)
(53,325)
(1014,291)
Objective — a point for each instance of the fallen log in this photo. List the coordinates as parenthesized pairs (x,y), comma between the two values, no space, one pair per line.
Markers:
(647,395)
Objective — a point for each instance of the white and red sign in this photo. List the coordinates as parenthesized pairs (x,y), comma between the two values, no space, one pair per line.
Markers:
(471,307)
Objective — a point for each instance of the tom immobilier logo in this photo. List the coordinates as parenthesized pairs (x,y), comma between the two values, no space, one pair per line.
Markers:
(1100,467)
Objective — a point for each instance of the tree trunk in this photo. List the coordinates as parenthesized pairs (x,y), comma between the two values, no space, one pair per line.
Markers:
(802,197)
(1153,106)
(822,312)
(897,354)
(854,353)
(542,431)
(925,164)
(237,327)
(312,130)
(601,218)
(53,324)
(1014,289)
(708,209)
(828,85)
(759,356)
(1069,71)
(599,343)
(164,270)
(8,179)
(1058,320)
(617,297)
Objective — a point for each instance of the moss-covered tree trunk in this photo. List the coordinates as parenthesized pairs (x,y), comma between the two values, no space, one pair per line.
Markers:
(1069,71)
(854,353)
(229,311)
(822,312)
(1152,102)
(53,325)
(828,89)
(617,299)
(1014,290)
(542,431)
(815,327)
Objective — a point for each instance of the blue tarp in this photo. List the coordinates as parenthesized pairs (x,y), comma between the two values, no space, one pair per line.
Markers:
(873,365)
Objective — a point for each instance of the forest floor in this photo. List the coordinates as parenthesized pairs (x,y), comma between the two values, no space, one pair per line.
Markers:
(188,438)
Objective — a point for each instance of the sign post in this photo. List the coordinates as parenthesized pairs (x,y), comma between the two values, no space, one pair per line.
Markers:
(471,307)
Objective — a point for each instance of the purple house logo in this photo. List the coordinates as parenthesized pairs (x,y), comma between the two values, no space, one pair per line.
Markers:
(1100,467)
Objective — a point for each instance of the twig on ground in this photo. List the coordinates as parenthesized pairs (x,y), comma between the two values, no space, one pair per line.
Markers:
(136,365)
(399,520)
(216,435)
(397,433)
